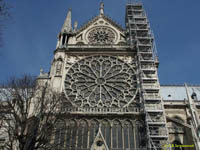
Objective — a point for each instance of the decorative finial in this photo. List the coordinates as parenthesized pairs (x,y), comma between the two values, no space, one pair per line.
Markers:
(101,8)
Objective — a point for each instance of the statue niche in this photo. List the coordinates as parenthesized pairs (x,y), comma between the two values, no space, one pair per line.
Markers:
(59,64)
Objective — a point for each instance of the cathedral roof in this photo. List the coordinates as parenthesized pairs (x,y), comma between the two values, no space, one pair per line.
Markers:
(110,20)
(178,92)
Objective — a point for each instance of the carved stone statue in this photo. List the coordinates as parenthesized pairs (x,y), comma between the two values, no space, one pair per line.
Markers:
(101,8)
(41,71)
(58,68)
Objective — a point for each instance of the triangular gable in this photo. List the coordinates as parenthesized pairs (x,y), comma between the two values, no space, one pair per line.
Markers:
(100,23)
(99,142)
(98,17)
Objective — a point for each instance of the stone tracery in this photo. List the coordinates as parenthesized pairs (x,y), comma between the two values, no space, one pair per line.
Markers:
(101,35)
(100,81)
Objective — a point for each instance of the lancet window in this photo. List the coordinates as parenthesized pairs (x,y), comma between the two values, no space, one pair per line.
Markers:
(80,134)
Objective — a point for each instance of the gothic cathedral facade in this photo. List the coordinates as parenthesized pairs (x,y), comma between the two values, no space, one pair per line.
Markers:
(108,75)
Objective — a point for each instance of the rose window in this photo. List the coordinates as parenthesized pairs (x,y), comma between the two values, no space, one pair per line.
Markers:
(101,35)
(100,81)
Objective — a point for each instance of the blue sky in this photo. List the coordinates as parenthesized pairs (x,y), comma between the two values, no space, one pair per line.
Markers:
(31,37)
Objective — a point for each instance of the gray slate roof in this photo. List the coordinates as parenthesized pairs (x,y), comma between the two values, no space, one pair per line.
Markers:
(178,92)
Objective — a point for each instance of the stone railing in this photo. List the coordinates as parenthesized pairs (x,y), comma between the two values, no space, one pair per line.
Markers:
(101,110)
(97,46)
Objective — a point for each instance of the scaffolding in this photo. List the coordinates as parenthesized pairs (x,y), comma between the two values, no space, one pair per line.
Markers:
(141,40)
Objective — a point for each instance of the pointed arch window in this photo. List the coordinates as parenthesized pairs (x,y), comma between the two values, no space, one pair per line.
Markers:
(82,134)
(128,135)
(71,134)
(106,131)
(117,135)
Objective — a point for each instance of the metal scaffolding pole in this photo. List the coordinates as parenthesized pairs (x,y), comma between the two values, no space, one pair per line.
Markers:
(142,42)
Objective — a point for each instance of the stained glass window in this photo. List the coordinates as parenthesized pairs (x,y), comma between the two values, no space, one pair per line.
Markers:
(80,134)
(101,35)
(100,81)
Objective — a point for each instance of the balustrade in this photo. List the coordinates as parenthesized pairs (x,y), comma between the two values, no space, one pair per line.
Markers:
(100,110)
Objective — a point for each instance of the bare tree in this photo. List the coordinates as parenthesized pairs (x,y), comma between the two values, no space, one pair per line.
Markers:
(31,112)
(4,17)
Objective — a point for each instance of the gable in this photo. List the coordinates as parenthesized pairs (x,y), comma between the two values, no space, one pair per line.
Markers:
(105,28)
(99,142)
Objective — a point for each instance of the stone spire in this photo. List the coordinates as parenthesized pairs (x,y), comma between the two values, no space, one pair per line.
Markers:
(67,26)
(101,8)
